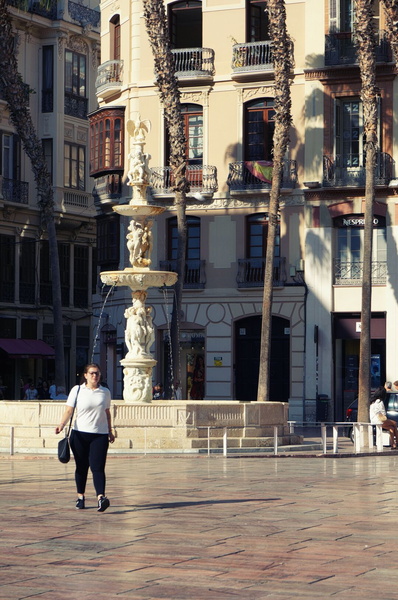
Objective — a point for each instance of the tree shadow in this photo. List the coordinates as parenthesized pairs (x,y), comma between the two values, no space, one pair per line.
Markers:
(188,504)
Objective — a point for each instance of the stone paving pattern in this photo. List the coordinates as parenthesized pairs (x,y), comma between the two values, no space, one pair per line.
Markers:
(198,527)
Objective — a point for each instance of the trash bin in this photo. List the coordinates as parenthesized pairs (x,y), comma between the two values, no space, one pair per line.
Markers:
(322,407)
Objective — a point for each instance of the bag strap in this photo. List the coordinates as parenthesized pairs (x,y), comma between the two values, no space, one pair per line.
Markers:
(71,417)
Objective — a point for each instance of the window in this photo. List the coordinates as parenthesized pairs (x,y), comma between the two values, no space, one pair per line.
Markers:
(81,284)
(193,127)
(106,141)
(342,15)
(7,268)
(185,24)
(27,270)
(115,37)
(29,329)
(47,94)
(74,166)
(75,85)
(259,129)
(193,238)
(257,21)
(48,155)
(257,229)
(108,238)
(10,156)
(349,248)
(349,132)
(46,292)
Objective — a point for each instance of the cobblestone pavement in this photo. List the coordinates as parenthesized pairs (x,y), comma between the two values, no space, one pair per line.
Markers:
(193,527)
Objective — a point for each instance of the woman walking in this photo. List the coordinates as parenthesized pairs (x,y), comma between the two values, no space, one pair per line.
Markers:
(91,433)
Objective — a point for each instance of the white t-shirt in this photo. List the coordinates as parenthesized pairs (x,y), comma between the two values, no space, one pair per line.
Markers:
(375,408)
(90,408)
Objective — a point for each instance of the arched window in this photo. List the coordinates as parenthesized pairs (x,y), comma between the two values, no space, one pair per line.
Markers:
(185,24)
(114,31)
(259,129)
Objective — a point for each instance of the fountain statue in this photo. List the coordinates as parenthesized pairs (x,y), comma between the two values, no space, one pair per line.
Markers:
(139,333)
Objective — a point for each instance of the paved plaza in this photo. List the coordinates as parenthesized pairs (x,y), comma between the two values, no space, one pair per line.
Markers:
(193,527)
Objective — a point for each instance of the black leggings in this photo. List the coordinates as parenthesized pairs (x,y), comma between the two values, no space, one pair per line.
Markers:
(89,450)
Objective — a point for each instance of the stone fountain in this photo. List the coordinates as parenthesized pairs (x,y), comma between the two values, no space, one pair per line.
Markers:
(139,332)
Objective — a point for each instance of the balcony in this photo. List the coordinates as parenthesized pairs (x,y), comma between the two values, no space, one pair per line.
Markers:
(340,49)
(44,9)
(252,59)
(251,272)
(194,63)
(14,191)
(75,106)
(109,78)
(257,175)
(202,179)
(350,272)
(337,171)
(194,274)
(84,15)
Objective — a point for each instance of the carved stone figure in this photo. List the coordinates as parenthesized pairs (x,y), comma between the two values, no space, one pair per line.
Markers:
(139,243)
(137,128)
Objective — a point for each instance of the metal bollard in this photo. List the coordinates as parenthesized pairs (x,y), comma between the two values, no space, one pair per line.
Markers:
(275,439)
(224,441)
(324,437)
(11,441)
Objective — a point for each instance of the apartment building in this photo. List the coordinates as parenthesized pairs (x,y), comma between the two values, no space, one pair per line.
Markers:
(58,54)
(224,66)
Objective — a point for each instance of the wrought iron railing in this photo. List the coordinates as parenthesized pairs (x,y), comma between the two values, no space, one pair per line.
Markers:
(194,272)
(252,56)
(240,177)
(251,272)
(109,75)
(83,14)
(14,191)
(201,178)
(44,9)
(351,272)
(338,172)
(340,49)
(76,106)
(194,62)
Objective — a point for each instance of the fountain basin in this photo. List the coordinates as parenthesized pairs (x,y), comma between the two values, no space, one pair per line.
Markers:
(138,210)
(139,279)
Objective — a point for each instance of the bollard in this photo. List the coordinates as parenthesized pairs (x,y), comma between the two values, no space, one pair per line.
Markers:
(324,437)
(11,441)
(208,441)
(275,439)
(224,441)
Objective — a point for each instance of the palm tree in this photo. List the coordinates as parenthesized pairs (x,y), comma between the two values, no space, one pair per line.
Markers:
(391,12)
(14,93)
(166,80)
(365,41)
(282,59)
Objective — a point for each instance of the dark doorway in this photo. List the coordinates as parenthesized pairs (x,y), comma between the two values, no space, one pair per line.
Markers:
(247,352)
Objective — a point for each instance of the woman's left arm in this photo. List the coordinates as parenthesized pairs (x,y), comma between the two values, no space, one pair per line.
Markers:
(111,435)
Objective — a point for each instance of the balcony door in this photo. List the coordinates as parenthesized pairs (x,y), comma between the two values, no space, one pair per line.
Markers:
(185,24)
(193,129)
(257,21)
(349,133)
(259,130)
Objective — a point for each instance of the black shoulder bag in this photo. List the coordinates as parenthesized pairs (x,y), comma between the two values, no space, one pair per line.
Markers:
(63,445)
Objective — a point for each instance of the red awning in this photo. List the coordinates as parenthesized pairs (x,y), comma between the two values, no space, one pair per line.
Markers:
(26,348)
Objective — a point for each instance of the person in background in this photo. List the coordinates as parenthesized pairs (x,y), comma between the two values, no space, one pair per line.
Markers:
(44,392)
(91,433)
(177,393)
(61,395)
(388,386)
(395,384)
(31,393)
(52,390)
(377,414)
(158,392)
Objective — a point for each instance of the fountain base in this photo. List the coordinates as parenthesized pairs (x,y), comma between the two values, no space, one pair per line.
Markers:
(137,379)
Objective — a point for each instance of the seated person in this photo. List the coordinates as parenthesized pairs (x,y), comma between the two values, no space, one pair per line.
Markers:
(377,414)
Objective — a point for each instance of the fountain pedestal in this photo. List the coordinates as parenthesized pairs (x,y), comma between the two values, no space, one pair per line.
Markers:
(139,332)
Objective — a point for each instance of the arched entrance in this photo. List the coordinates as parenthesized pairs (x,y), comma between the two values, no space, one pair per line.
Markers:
(247,358)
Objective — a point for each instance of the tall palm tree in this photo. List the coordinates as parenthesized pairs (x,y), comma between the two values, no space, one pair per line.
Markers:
(167,83)
(14,93)
(391,12)
(282,59)
(365,41)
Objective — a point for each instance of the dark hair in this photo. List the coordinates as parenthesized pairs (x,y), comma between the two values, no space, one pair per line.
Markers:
(379,394)
(86,368)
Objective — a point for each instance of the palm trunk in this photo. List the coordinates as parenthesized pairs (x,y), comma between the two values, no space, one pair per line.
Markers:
(14,93)
(281,51)
(391,12)
(366,44)
(166,80)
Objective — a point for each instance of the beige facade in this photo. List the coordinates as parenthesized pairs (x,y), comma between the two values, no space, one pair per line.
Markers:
(225,71)
(58,56)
